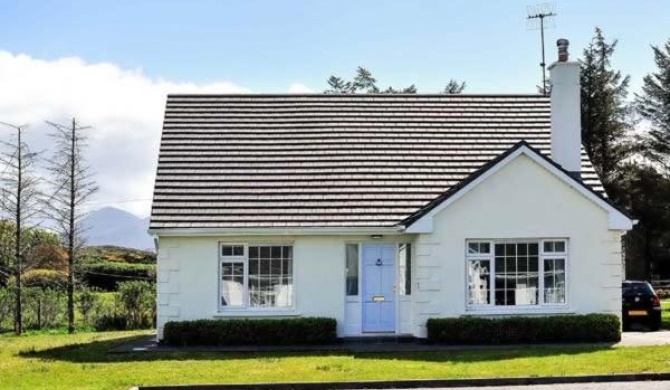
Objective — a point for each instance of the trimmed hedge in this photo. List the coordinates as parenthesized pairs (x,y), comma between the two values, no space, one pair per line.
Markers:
(106,275)
(515,330)
(293,331)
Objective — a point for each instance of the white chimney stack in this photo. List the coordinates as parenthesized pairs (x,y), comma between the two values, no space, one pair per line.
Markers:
(566,119)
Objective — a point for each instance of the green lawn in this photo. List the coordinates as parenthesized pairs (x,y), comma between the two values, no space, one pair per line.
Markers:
(59,361)
(665,314)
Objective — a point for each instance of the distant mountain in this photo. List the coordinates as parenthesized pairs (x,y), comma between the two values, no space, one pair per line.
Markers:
(112,226)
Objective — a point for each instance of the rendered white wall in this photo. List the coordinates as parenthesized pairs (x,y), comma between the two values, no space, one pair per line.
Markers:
(188,277)
(522,200)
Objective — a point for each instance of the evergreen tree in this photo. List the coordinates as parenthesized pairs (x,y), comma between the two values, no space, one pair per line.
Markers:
(646,194)
(453,87)
(364,82)
(605,113)
(654,105)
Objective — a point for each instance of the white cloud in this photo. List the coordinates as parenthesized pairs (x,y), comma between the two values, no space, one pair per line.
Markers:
(299,88)
(124,108)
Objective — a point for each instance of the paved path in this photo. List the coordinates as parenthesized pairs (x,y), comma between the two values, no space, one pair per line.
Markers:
(652,385)
(634,339)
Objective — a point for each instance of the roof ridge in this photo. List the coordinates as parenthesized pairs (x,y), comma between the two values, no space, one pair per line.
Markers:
(360,96)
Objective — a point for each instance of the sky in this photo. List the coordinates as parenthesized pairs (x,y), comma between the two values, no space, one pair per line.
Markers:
(112,63)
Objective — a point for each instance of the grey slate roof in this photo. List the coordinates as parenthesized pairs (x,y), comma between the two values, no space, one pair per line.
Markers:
(243,161)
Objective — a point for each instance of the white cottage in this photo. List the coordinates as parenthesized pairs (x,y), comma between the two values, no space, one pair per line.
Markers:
(382,211)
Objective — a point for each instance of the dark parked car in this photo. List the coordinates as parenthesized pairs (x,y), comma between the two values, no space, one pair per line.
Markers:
(640,304)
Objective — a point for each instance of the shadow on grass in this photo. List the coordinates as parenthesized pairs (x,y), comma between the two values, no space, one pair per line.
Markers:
(98,352)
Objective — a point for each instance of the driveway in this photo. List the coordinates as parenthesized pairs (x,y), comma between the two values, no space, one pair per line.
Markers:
(638,339)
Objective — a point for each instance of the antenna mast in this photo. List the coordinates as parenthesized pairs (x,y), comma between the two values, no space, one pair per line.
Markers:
(542,13)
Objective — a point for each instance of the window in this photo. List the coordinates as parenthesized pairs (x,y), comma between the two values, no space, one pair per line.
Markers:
(256,276)
(516,273)
(405,269)
(352,269)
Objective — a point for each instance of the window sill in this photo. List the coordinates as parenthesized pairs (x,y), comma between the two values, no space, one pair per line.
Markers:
(257,313)
(519,310)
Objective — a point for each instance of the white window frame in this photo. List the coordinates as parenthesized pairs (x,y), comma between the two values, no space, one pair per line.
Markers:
(245,307)
(541,306)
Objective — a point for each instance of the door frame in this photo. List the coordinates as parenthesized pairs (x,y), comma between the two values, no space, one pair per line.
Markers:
(396,308)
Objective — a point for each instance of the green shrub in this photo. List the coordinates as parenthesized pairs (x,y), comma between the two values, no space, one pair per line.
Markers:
(514,330)
(106,275)
(137,300)
(45,279)
(6,307)
(108,322)
(88,303)
(43,307)
(294,331)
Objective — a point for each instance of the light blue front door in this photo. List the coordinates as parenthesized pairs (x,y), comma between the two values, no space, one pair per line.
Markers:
(378,292)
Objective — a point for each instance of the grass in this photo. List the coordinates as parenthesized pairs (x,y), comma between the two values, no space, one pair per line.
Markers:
(665,314)
(81,361)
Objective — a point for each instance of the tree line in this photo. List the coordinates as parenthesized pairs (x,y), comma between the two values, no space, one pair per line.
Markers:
(626,137)
(31,202)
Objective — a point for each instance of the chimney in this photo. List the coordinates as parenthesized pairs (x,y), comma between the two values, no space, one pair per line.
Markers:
(566,123)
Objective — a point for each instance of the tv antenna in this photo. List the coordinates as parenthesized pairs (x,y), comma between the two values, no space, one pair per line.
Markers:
(541,16)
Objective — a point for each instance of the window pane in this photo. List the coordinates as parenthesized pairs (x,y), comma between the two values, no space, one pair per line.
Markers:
(271,282)
(560,246)
(478,282)
(554,281)
(405,269)
(351,262)
(232,250)
(226,250)
(232,284)
(476,247)
(554,247)
(516,277)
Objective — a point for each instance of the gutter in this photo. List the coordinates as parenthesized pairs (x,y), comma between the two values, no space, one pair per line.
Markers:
(307,231)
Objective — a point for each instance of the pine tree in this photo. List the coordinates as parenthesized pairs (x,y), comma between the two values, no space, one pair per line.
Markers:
(454,87)
(364,82)
(654,105)
(605,113)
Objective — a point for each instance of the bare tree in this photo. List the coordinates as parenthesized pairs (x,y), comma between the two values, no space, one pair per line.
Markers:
(73,185)
(19,202)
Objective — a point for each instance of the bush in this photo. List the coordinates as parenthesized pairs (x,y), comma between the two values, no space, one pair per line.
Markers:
(6,307)
(45,279)
(513,330)
(137,300)
(88,303)
(43,307)
(294,331)
(108,322)
(107,275)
